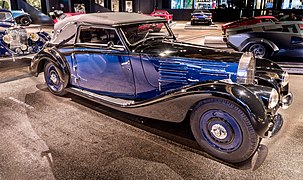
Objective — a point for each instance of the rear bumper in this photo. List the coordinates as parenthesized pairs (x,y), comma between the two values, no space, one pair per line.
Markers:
(201,20)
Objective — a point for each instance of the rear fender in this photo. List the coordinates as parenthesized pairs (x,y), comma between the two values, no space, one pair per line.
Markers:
(250,41)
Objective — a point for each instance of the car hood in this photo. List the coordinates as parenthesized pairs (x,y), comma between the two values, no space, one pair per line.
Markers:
(187,50)
(6,24)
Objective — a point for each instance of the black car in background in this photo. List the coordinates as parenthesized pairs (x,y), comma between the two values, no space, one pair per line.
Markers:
(201,16)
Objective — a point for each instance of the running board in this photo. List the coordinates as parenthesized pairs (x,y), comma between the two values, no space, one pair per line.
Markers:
(100,98)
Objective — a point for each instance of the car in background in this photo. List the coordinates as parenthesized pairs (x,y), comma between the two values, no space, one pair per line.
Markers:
(232,99)
(21,17)
(268,39)
(6,19)
(201,16)
(15,41)
(248,21)
(59,15)
(163,14)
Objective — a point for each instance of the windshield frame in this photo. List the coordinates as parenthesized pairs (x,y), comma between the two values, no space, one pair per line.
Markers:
(10,19)
(169,36)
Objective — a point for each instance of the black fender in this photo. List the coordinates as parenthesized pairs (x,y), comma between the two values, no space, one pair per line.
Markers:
(248,98)
(175,106)
(17,18)
(44,35)
(53,55)
(266,64)
(250,41)
(269,73)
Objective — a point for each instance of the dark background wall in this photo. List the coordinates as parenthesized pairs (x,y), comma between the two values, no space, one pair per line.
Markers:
(144,6)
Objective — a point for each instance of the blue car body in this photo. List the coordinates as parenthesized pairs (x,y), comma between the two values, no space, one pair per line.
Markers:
(150,74)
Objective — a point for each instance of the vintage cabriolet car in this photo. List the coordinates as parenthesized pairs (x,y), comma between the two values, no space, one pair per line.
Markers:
(232,99)
(15,40)
(268,39)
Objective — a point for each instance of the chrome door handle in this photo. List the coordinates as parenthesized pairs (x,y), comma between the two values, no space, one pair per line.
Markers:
(125,63)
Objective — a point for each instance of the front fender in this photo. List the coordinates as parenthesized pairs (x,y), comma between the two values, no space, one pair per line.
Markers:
(44,35)
(174,106)
(250,41)
(53,55)
(246,98)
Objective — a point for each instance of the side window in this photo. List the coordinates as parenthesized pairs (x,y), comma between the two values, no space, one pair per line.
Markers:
(277,28)
(98,36)
(290,28)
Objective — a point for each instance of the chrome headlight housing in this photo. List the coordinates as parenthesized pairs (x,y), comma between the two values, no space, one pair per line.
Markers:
(23,47)
(34,37)
(7,39)
(285,79)
(18,51)
(246,69)
(273,99)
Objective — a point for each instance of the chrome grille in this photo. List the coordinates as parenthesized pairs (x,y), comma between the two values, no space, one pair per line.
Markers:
(19,37)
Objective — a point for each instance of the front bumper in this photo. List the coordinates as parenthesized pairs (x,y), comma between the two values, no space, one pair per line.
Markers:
(274,126)
(286,100)
(276,121)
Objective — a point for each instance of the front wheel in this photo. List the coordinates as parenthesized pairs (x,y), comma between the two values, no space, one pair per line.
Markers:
(223,130)
(54,80)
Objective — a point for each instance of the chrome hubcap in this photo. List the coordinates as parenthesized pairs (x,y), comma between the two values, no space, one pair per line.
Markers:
(54,78)
(219,131)
(258,50)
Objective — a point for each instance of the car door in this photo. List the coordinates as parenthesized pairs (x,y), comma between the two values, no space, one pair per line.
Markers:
(102,63)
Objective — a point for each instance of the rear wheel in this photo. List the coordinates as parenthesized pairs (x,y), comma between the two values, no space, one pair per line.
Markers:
(25,21)
(223,130)
(53,78)
(192,22)
(260,50)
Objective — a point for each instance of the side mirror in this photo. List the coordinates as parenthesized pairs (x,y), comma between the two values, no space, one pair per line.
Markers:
(110,44)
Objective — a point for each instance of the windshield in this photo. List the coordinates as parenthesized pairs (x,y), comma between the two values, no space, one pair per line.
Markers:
(137,33)
(6,16)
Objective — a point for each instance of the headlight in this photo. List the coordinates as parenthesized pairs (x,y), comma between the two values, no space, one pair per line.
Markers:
(285,79)
(246,69)
(7,39)
(30,49)
(34,37)
(273,99)
(18,51)
(23,47)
